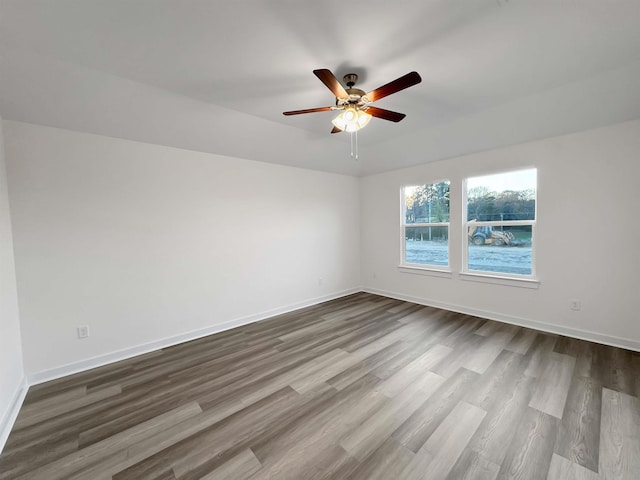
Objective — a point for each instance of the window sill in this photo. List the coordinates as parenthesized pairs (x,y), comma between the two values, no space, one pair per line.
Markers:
(498,280)
(429,271)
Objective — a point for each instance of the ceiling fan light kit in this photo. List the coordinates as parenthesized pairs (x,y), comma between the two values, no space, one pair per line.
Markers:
(355,103)
(351,120)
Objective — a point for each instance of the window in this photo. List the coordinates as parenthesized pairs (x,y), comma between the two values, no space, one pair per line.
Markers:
(500,223)
(425,224)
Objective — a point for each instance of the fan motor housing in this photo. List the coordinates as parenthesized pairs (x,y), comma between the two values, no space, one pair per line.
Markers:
(356,96)
(355,92)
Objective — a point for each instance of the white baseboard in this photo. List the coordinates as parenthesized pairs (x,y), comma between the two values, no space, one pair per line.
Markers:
(9,417)
(101,360)
(522,322)
(7,421)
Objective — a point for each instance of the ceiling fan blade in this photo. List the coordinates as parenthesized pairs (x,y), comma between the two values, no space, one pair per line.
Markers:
(331,82)
(335,130)
(385,114)
(406,81)
(309,110)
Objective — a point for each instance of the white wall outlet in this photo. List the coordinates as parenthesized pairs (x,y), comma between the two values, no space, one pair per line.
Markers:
(574,304)
(83,331)
(320,281)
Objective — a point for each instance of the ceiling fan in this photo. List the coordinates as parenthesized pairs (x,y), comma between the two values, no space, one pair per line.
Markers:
(355,103)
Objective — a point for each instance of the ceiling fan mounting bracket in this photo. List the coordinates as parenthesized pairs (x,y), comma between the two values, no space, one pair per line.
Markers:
(350,79)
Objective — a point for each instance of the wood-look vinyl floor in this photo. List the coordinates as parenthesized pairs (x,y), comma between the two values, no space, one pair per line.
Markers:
(363,387)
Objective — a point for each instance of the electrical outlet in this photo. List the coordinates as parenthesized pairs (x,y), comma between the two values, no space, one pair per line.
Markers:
(320,281)
(574,304)
(83,331)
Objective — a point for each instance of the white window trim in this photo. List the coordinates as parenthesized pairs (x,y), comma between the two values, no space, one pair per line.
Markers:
(499,278)
(422,268)
(431,271)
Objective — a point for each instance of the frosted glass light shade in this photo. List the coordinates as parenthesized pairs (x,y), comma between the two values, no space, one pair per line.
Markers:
(351,120)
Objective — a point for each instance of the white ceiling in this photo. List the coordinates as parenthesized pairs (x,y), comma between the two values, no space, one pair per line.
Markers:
(216,75)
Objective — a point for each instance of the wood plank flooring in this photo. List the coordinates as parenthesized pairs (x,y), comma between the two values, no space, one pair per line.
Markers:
(361,388)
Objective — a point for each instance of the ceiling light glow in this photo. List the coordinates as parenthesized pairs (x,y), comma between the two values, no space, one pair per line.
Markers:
(351,120)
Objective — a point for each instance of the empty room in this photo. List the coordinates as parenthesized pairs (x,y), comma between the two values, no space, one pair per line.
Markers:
(302,240)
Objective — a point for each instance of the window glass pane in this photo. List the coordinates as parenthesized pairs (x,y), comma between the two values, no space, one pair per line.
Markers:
(427,245)
(427,203)
(502,197)
(500,249)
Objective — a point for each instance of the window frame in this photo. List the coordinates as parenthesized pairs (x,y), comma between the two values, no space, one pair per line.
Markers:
(468,274)
(426,268)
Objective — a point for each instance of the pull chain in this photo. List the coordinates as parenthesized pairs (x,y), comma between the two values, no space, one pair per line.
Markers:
(351,137)
(354,145)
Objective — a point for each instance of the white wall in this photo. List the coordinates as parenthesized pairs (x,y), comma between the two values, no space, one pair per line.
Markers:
(586,241)
(149,244)
(144,243)
(12,380)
